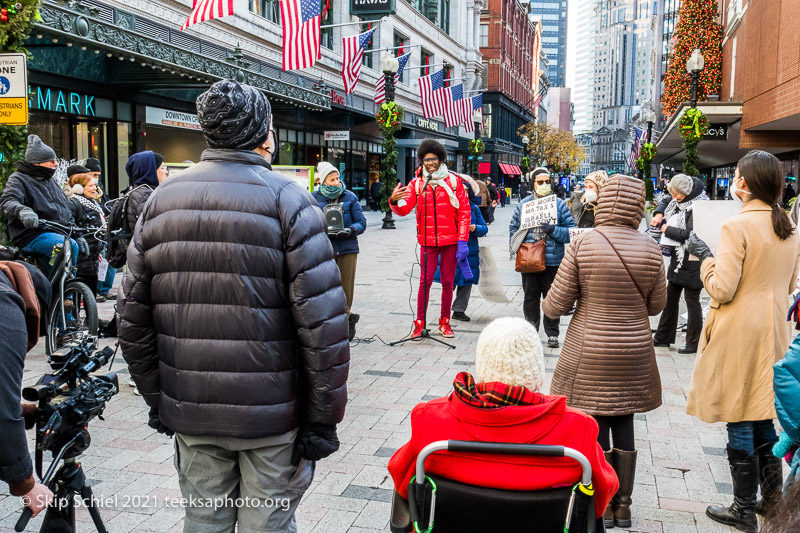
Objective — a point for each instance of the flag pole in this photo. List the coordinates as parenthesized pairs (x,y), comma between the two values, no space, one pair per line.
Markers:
(354,23)
(387,49)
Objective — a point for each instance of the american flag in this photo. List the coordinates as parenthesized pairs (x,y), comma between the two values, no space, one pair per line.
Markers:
(431,92)
(203,10)
(454,112)
(301,33)
(542,93)
(352,52)
(636,147)
(476,104)
(380,85)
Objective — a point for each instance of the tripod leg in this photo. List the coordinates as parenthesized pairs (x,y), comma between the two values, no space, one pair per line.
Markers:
(88,499)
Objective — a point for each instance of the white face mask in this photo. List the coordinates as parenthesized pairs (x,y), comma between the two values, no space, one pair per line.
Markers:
(543,189)
(590,196)
(735,189)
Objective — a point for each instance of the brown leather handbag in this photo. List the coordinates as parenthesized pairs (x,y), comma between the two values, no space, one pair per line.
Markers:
(530,257)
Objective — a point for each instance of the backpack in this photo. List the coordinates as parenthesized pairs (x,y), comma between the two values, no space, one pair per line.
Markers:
(118,232)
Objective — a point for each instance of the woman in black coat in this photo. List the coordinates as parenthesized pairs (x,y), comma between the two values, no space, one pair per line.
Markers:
(683,274)
(82,191)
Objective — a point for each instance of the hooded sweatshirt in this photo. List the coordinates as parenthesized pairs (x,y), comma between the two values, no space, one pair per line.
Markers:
(141,169)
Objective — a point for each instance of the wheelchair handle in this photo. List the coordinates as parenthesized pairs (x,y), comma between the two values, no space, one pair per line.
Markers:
(503,448)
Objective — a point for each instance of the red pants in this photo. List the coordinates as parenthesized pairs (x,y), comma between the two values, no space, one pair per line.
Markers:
(447,272)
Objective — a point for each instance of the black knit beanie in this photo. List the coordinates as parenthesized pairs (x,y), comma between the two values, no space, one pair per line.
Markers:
(233,115)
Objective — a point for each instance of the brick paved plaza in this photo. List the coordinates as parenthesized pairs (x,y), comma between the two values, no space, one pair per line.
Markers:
(681,467)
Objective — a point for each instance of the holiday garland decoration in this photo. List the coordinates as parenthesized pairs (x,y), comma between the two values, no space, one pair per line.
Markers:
(476,147)
(693,125)
(14,30)
(697,28)
(389,118)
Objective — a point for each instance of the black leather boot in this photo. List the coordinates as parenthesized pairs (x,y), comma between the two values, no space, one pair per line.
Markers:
(770,477)
(625,467)
(608,515)
(352,320)
(742,513)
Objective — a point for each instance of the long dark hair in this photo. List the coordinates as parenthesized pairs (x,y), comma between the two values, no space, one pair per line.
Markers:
(785,517)
(764,176)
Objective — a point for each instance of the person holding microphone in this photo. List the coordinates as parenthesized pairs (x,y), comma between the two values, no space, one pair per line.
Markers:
(443,220)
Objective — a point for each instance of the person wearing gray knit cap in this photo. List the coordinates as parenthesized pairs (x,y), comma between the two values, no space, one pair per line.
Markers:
(233,324)
(30,195)
(683,273)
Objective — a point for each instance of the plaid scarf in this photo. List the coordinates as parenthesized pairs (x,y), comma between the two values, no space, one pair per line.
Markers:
(492,395)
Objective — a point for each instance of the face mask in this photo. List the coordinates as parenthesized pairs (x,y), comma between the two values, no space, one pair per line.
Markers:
(590,197)
(543,190)
(735,189)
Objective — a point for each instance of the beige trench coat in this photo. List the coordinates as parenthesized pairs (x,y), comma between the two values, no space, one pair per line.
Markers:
(746,331)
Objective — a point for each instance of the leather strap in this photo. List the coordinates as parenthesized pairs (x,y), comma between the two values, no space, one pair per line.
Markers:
(630,274)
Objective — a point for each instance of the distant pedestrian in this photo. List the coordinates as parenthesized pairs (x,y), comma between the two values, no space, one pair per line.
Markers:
(494,198)
(331,192)
(535,286)
(588,200)
(233,323)
(376,193)
(477,228)
(485,201)
(502,196)
(607,366)
(746,330)
(683,274)
(523,189)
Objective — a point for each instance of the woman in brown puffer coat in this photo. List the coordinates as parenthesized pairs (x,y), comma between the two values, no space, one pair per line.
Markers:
(607,366)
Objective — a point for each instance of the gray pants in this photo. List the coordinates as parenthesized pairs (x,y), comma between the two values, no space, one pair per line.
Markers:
(225,480)
(461,300)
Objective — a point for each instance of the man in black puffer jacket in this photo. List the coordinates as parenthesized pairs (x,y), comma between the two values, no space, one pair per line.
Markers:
(233,322)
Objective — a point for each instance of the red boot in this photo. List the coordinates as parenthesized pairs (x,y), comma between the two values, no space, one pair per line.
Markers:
(445,329)
(416,335)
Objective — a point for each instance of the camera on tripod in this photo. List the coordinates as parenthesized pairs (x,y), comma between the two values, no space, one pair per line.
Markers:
(69,399)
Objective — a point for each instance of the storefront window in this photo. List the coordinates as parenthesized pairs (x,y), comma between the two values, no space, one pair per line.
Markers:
(358,172)
(288,143)
(124,151)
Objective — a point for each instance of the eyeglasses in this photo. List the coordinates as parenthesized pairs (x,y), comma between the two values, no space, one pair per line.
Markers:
(431,160)
(548,182)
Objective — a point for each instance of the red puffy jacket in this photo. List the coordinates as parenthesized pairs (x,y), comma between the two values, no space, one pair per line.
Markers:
(550,422)
(438,222)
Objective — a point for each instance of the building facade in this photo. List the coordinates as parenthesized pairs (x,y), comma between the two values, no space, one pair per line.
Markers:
(553,14)
(560,111)
(509,57)
(110,78)
(584,82)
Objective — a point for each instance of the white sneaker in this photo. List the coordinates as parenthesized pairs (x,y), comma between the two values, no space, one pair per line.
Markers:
(131,382)
(136,391)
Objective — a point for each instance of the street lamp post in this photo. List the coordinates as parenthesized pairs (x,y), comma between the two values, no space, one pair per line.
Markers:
(389,66)
(525,141)
(694,65)
(477,117)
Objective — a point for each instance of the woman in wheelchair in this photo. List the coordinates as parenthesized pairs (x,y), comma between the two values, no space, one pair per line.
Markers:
(505,406)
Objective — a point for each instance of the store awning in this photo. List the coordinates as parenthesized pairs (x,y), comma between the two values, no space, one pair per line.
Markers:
(484,168)
(511,170)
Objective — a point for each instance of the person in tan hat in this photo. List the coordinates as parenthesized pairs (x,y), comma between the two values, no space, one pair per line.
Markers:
(502,403)
(592,185)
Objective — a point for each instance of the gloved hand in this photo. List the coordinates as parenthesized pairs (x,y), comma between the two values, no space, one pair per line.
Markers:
(29,218)
(155,423)
(548,228)
(784,445)
(315,442)
(463,260)
(83,247)
(342,234)
(698,248)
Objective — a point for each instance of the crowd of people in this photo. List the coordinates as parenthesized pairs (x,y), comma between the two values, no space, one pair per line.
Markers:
(235,312)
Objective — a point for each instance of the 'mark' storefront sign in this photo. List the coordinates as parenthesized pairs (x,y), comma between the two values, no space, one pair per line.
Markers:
(58,101)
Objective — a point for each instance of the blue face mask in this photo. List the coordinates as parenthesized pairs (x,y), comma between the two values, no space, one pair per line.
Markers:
(331,192)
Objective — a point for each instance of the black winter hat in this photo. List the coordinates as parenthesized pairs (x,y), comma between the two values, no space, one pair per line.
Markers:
(93,164)
(233,115)
(76,169)
(431,146)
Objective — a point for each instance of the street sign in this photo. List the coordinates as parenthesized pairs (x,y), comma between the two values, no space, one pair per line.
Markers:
(716,132)
(372,7)
(337,135)
(13,89)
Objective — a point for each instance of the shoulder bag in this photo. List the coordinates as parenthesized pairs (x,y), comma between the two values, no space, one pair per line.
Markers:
(530,257)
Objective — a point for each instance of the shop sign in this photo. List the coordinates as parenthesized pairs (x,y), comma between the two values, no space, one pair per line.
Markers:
(336,98)
(69,102)
(372,7)
(337,135)
(424,123)
(172,119)
(716,132)
(13,89)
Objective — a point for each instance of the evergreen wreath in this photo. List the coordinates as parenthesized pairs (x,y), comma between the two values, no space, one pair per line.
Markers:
(389,118)
(476,147)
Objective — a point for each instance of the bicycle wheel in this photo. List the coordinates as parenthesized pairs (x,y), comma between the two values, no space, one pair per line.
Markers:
(80,312)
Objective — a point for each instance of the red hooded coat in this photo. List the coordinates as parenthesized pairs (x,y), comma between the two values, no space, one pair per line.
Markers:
(550,422)
(438,222)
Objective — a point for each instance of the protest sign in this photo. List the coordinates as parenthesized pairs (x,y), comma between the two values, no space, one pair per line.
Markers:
(574,232)
(489,282)
(539,211)
(709,217)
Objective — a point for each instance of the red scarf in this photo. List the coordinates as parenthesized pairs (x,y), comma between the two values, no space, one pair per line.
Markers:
(492,395)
